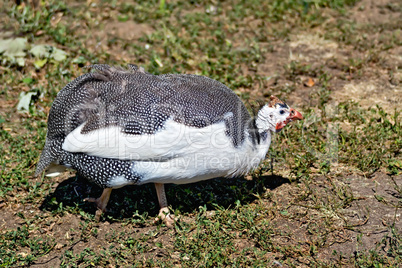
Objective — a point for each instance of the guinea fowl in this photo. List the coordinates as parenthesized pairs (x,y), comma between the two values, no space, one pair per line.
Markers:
(120,127)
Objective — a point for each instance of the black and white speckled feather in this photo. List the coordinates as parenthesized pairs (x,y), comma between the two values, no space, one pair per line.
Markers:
(136,104)
(101,171)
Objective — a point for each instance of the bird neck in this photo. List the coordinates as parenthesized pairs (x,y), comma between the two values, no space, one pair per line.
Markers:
(263,120)
(254,149)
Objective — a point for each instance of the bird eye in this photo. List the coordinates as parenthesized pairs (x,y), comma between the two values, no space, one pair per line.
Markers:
(281,111)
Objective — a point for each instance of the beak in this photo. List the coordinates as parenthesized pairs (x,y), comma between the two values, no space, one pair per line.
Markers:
(294,115)
(279,126)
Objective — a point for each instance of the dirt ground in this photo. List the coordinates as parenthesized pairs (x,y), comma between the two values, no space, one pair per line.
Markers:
(330,235)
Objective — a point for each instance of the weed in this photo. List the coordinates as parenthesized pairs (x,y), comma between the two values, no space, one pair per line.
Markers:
(298,205)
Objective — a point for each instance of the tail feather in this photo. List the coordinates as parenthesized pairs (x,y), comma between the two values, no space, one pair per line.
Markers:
(55,170)
(50,154)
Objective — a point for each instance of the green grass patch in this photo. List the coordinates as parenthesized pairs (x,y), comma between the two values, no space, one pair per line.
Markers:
(299,204)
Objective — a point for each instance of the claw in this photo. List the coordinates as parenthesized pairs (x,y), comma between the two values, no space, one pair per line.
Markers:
(101,202)
(166,217)
(98,202)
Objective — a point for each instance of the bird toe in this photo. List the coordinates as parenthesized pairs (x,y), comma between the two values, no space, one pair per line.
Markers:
(166,217)
(99,204)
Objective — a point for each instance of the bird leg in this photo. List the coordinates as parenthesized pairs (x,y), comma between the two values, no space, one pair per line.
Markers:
(164,210)
(101,202)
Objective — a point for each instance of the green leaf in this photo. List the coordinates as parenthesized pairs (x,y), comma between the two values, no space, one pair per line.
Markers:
(20,61)
(13,50)
(59,55)
(284,212)
(41,51)
(25,100)
(28,80)
(40,63)
(80,60)
(13,47)
(122,18)
(48,51)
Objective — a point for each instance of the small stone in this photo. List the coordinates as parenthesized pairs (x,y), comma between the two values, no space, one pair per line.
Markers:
(59,246)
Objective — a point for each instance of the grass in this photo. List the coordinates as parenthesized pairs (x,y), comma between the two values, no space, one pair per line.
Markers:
(335,177)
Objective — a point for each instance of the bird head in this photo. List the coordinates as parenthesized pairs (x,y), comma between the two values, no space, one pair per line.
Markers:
(275,115)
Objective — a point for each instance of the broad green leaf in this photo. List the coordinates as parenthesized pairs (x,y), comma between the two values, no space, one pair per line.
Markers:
(40,63)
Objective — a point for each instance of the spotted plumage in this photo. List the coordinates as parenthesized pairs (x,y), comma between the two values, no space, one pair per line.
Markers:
(120,126)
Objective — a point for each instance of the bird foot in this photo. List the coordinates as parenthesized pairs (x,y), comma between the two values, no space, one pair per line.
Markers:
(98,202)
(166,217)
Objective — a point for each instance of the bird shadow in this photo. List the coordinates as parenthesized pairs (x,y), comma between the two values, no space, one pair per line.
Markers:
(140,199)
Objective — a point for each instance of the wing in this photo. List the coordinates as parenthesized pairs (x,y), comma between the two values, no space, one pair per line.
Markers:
(175,140)
(135,115)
